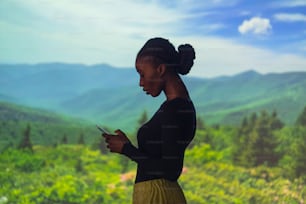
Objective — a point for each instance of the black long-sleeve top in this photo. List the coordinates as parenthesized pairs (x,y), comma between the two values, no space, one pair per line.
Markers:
(162,141)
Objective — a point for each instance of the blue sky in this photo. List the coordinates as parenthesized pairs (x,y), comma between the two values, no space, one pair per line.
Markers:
(229,36)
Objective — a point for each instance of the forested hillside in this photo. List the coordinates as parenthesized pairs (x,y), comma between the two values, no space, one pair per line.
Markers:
(46,128)
(249,147)
(104,94)
(46,158)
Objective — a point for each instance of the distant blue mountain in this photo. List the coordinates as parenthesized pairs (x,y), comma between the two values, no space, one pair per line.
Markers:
(104,94)
(50,84)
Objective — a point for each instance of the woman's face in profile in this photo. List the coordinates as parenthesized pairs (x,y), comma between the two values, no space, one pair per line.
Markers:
(150,79)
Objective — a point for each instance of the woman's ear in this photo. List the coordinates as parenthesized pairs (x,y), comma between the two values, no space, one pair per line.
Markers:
(161,69)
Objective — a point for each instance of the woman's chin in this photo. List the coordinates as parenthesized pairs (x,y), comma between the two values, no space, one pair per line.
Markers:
(152,94)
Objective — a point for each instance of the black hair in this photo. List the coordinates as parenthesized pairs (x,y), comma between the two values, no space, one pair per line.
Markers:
(165,52)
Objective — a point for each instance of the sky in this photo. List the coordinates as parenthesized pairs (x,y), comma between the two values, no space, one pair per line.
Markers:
(229,36)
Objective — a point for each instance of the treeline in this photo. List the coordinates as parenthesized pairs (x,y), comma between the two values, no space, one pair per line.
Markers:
(13,133)
(261,139)
(77,137)
(260,161)
(23,134)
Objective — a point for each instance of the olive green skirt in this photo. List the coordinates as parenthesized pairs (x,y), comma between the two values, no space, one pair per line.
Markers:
(158,191)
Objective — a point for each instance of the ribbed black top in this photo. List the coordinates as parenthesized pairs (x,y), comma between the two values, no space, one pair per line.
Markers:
(162,141)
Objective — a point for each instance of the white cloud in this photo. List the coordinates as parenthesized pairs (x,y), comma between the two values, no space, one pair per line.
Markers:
(255,25)
(290,17)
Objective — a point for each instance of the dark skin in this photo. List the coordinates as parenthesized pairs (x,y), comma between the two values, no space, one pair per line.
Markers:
(154,79)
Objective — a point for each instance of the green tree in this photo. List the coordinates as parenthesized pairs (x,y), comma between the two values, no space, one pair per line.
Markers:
(81,139)
(64,139)
(276,123)
(200,123)
(265,141)
(299,155)
(241,141)
(253,118)
(301,120)
(292,147)
(255,142)
(300,159)
(26,140)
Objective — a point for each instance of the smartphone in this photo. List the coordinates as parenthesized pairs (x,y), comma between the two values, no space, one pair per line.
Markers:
(102,130)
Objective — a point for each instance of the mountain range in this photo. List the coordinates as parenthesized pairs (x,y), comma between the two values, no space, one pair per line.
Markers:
(111,96)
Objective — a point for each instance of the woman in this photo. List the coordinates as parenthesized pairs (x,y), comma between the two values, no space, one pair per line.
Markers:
(163,139)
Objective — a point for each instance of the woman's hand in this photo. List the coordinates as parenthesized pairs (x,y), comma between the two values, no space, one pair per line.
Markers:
(116,142)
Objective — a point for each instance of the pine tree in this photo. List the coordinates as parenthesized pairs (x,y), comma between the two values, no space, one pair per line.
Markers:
(300,147)
(300,159)
(301,120)
(253,119)
(264,146)
(81,139)
(64,139)
(240,142)
(276,123)
(26,140)
(255,142)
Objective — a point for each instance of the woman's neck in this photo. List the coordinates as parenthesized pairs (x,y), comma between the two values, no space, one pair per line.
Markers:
(175,88)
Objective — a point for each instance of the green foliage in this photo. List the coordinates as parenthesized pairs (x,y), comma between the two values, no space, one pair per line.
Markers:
(301,120)
(292,147)
(201,154)
(200,123)
(77,174)
(26,140)
(219,138)
(225,183)
(81,139)
(222,100)
(255,142)
(82,170)
(23,127)
(30,163)
(64,140)
(48,134)
(99,144)
(23,160)
(66,174)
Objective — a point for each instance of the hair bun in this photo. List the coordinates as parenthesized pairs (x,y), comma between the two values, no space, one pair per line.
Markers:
(186,58)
